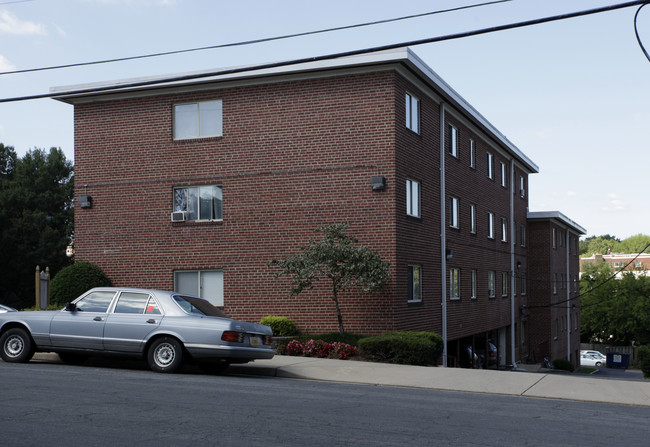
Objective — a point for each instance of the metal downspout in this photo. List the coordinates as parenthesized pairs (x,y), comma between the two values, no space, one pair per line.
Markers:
(443,235)
(512,262)
(568,298)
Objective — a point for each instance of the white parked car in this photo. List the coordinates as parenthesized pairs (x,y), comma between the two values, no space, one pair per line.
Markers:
(596,354)
(591,360)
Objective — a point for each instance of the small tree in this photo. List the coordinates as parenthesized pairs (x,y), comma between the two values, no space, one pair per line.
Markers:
(337,258)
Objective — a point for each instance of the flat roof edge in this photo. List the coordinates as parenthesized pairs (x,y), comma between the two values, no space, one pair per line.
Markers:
(556,215)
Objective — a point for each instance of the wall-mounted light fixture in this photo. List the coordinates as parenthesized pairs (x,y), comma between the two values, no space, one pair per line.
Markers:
(378,182)
(85,201)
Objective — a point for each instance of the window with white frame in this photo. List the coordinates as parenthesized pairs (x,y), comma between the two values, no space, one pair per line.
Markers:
(412,113)
(504,283)
(454,220)
(522,235)
(198,120)
(414,283)
(490,225)
(453,141)
(522,186)
(490,165)
(523,284)
(554,237)
(472,154)
(199,202)
(504,175)
(206,284)
(472,218)
(413,198)
(491,283)
(474,285)
(454,283)
(504,229)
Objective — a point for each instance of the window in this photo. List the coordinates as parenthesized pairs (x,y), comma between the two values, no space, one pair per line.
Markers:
(136,303)
(472,154)
(412,113)
(454,284)
(554,283)
(199,202)
(522,235)
(490,165)
(474,285)
(522,186)
(198,120)
(504,229)
(491,283)
(453,141)
(523,284)
(95,302)
(413,198)
(490,225)
(472,219)
(554,236)
(504,284)
(207,284)
(453,212)
(414,283)
(504,175)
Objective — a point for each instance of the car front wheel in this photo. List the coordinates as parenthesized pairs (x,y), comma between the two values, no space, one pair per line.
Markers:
(17,346)
(165,355)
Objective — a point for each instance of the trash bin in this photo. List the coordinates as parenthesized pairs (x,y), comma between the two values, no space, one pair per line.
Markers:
(616,360)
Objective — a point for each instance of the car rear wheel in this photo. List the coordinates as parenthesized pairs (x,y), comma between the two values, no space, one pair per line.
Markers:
(165,355)
(17,346)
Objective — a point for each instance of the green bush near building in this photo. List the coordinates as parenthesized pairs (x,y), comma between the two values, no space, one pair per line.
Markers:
(406,348)
(75,279)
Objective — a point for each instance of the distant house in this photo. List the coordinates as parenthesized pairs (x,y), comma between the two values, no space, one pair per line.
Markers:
(620,263)
(194,182)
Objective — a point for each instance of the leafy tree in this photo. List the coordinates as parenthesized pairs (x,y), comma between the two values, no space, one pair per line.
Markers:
(337,258)
(614,310)
(599,244)
(36,217)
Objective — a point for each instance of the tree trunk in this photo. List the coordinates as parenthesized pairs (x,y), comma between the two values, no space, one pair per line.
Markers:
(338,310)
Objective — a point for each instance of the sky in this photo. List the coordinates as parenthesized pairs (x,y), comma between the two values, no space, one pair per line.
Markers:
(573,95)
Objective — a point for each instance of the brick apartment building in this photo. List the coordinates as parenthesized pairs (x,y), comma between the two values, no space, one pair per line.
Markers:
(248,162)
(639,264)
(550,308)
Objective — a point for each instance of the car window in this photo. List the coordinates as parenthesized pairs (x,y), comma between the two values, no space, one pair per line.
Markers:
(132,303)
(198,306)
(152,307)
(95,302)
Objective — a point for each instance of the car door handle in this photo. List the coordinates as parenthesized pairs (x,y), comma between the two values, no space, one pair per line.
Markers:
(151,321)
(97,318)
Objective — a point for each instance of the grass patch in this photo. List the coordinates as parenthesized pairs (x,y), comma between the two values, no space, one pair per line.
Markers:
(585,370)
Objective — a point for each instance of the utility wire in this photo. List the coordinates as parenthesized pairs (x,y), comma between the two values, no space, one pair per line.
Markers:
(249,42)
(189,77)
(636,31)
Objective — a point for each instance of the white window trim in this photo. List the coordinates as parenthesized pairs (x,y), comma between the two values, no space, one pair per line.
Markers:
(474,285)
(492,279)
(454,212)
(504,175)
(490,165)
(412,108)
(472,219)
(219,117)
(472,154)
(413,203)
(504,229)
(454,283)
(490,225)
(453,141)
(412,268)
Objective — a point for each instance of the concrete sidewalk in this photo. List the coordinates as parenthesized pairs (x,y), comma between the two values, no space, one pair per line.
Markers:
(551,385)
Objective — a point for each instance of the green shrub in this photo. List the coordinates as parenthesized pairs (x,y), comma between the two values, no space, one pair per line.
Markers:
(407,348)
(347,338)
(643,355)
(563,365)
(75,279)
(282,326)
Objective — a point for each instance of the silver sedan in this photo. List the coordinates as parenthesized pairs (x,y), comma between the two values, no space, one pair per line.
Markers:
(166,328)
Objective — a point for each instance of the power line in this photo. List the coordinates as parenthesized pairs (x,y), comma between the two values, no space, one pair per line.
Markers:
(250,42)
(188,77)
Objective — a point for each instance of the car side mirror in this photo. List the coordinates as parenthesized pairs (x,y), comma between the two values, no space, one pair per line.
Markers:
(70,307)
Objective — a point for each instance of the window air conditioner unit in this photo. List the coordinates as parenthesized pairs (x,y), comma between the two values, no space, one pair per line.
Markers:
(178,216)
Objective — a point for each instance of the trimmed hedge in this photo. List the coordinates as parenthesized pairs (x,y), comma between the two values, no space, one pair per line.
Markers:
(643,354)
(563,365)
(406,348)
(75,279)
(282,326)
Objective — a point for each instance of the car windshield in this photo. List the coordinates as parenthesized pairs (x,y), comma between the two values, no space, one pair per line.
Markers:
(198,306)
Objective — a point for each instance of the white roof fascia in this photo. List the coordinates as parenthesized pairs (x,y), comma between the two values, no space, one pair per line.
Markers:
(556,215)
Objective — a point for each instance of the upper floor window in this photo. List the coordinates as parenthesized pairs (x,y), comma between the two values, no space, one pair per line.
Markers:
(490,225)
(504,175)
(554,237)
(491,283)
(413,198)
(412,113)
(454,283)
(199,202)
(474,284)
(414,283)
(198,120)
(472,154)
(504,283)
(472,218)
(453,141)
(522,235)
(490,165)
(453,212)
(504,229)
(522,186)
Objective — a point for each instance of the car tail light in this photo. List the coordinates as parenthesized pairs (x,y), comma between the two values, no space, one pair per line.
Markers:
(237,337)
(268,340)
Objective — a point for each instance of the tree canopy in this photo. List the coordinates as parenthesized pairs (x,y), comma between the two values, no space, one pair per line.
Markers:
(611,244)
(36,218)
(335,257)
